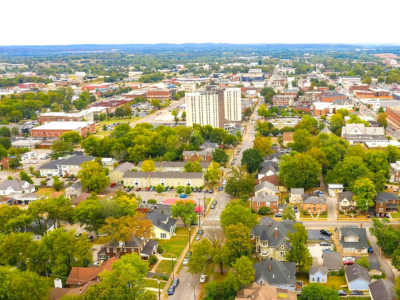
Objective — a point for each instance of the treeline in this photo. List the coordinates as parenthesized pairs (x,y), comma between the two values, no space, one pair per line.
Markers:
(5,82)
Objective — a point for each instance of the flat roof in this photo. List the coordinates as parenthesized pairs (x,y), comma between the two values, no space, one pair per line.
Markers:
(63,125)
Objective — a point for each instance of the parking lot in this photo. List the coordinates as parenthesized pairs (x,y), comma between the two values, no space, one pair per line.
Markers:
(317,253)
(315,235)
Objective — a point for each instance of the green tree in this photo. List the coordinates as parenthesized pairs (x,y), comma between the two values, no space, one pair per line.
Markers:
(90,213)
(316,291)
(148,166)
(363,262)
(15,249)
(240,182)
(24,176)
(366,193)
(14,131)
(264,210)
(241,274)
(60,148)
(336,121)
(5,142)
(5,132)
(377,161)
(289,213)
(218,135)
(299,171)
(180,189)
(185,211)
(213,173)
(188,190)
(299,252)
(301,140)
(3,152)
(201,261)
(193,167)
(72,137)
(236,214)
(268,93)
(392,153)
(159,188)
(237,243)
(93,177)
(31,170)
(252,159)
(397,287)
(220,156)
(263,144)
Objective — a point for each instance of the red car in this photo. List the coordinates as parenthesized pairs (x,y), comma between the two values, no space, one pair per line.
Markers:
(138,189)
(74,179)
(147,189)
(348,262)
(113,184)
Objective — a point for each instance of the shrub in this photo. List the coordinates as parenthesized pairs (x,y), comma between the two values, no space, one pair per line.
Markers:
(153,259)
(341,212)
(152,201)
(160,250)
(264,210)
(43,182)
(164,277)
(341,272)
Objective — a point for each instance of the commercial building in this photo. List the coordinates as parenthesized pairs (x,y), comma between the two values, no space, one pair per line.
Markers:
(283,100)
(359,134)
(324,108)
(56,129)
(253,75)
(393,114)
(82,116)
(215,107)
(147,179)
(158,93)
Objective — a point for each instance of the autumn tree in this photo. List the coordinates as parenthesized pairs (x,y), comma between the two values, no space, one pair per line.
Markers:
(263,144)
(213,173)
(240,182)
(148,166)
(382,120)
(93,177)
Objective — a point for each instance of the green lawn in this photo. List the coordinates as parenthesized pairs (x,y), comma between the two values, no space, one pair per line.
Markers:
(335,281)
(174,246)
(395,215)
(182,231)
(114,120)
(165,267)
(303,216)
(152,283)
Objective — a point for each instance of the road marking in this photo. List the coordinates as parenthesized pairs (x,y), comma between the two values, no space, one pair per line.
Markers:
(211,227)
(213,219)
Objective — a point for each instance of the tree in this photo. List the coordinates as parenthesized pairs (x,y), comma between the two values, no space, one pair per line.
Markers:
(60,148)
(382,120)
(93,177)
(264,211)
(302,140)
(363,262)
(218,135)
(213,173)
(180,189)
(237,243)
(15,249)
(71,137)
(13,219)
(5,132)
(192,167)
(148,166)
(183,115)
(5,142)
(236,214)
(126,281)
(159,188)
(268,93)
(275,131)
(240,182)
(185,211)
(188,190)
(57,183)
(336,121)
(262,111)
(366,193)
(90,213)
(24,176)
(201,261)
(377,161)
(252,159)
(14,131)
(3,152)
(263,144)
(392,153)
(299,171)
(299,252)
(15,162)
(24,285)
(241,274)
(289,213)
(31,170)
(220,156)
(247,112)
(397,287)
(316,291)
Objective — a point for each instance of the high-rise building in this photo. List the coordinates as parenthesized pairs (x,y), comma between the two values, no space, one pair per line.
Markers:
(213,106)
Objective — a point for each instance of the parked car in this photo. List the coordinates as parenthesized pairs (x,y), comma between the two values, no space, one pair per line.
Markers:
(205,191)
(342,293)
(171,290)
(348,261)
(74,179)
(212,206)
(327,250)
(319,192)
(175,283)
(113,184)
(147,189)
(195,190)
(129,189)
(356,293)
(189,254)
(278,215)
(325,232)
(210,191)
(201,231)
(185,261)
(199,190)
(370,250)
(168,189)
(224,182)
(198,237)
(203,278)
(138,189)
(220,188)
(183,196)
(324,244)
(215,202)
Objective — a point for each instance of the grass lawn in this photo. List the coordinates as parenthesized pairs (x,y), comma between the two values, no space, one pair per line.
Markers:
(303,216)
(114,120)
(165,267)
(395,215)
(152,283)
(229,151)
(174,246)
(182,231)
(48,191)
(335,281)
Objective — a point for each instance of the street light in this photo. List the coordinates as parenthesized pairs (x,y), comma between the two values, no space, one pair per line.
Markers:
(194,290)
(159,292)
(189,237)
(173,276)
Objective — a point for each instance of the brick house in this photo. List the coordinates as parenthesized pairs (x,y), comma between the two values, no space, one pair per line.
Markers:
(314,204)
(205,155)
(264,200)
(393,114)
(386,202)
(143,247)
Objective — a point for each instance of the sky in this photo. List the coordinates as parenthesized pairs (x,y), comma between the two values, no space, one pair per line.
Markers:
(50,22)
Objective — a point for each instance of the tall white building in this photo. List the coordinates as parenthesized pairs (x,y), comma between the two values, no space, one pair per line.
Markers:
(213,107)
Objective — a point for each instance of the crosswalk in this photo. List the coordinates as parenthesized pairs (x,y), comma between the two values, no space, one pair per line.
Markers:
(213,219)
(211,227)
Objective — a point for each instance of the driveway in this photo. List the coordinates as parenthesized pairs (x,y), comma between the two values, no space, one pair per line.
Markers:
(316,252)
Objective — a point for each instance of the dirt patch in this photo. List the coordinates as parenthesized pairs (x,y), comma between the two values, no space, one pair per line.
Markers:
(386,55)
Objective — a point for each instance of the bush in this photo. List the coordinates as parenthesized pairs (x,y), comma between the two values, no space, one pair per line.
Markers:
(160,250)
(264,210)
(152,201)
(164,277)
(341,272)
(43,182)
(341,212)
(153,259)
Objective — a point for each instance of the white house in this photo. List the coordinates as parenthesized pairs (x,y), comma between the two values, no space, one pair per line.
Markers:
(357,277)
(108,161)
(318,274)
(334,189)
(9,187)
(296,195)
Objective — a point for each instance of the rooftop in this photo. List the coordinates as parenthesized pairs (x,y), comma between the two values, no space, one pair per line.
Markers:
(63,126)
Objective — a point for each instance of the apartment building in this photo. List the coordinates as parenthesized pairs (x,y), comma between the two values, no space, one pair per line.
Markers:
(147,179)
(188,86)
(214,107)
(56,129)
(283,100)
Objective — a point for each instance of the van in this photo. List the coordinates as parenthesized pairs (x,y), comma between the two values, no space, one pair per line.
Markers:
(44,156)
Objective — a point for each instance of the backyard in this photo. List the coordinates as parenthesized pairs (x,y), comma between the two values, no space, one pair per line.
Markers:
(175,245)
(336,281)
(152,283)
(165,267)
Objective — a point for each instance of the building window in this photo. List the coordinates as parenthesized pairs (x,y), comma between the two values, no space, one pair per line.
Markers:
(282,254)
(108,249)
(163,235)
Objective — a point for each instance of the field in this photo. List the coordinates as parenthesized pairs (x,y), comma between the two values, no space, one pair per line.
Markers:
(49,192)
(165,267)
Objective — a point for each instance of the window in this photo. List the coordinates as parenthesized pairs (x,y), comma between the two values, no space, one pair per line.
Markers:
(163,235)
(108,249)
(282,254)
(258,203)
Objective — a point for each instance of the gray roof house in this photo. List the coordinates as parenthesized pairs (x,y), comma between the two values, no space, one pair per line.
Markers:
(267,187)
(346,201)
(358,133)
(382,290)
(357,277)
(276,273)
(333,261)
(318,274)
(74,190)
(64,167)
(11,187)
(163,226)
(353,240)
(141,246)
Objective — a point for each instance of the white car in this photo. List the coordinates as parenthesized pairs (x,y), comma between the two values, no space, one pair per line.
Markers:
(34,161)
(185,261)
(224,182)
(96,264)
(348,258)
(203,278)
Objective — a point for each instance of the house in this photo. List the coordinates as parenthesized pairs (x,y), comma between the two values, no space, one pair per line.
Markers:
(27,198)
(314,204)
(117,174)
(202,155)
(334,188)
(270,238)
(273,179)
(264,292)
(143,247)
(333,261)
(296,196)
(358,134)
(346,201)
(163,226)
(58,292)
(318,274)
(64,167)
(287,138)
(108,161)
(375,268)
(353,240)
(82,275)
(146,179)
(74,190)
(382,290)
(357,277)
(11,187)
(267,170)
(266,188)
(386,202)
(164,209)
(276,273)
(264,200)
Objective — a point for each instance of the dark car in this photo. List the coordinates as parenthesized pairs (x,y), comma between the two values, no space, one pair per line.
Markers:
(325,232)
(78,235)
(175,283)
(189,254)
(342,293)
(201,231)
(220,188)
(199,190)
(205,191)
(195,190)
(171,290)
(370,250)
(358,293)
(278,215)
(324,244)
(129,189)
(210,191)
(215,202)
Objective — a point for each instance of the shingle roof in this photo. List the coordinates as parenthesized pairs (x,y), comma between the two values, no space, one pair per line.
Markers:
(83,275)
(280,274)
(384,197)
(16,185)
(177,175)
(355,272)
(266,185)
(358,232)
(345,195)
(265,198)
(314,200)
(124,167)
(297,191)
(382,290)
(315,269)
(136,175)
(75,160)
(154,216)
(333,260)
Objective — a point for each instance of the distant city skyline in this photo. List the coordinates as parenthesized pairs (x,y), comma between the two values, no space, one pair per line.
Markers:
(45,22)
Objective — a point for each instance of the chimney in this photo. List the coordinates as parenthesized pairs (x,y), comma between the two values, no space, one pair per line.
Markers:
(276,233)
(270,224)
(269,267)
(158,221)
(361,225)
